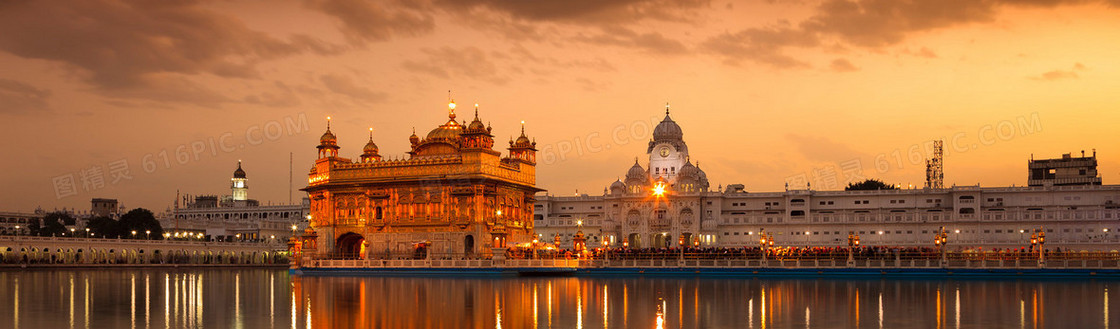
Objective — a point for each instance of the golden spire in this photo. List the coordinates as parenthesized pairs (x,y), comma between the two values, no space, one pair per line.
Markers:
(371,134)
(666,108)
(328,123)
(522,127)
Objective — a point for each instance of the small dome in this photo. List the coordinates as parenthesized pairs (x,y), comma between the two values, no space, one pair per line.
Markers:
(370,148)
(636,171)
(239,173)
(688,170)
(414,139)
(328,138)
(618,185)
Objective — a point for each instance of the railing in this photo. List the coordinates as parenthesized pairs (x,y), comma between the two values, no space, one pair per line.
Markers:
(885,260)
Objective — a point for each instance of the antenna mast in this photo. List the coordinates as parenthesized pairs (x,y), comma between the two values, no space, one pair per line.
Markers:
(935,173)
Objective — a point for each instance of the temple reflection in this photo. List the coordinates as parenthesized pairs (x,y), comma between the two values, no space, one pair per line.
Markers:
(272,299)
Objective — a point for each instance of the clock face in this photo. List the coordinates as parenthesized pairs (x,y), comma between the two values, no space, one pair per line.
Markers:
(664,152)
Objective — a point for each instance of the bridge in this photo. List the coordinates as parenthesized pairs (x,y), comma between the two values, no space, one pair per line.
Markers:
(33,251)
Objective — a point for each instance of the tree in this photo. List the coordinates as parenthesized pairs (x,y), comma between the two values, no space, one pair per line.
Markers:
(869,184)
(104,227)
(139,220)
(53,224)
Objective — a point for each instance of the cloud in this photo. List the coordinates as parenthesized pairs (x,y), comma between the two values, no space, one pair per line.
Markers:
(650,42)
(582,11)
(345,85)
(127,47)
(281,95)
(449,63)
(364,21)
(842,65)
(1060,74)
(18,97)
(761,45)
(869,24)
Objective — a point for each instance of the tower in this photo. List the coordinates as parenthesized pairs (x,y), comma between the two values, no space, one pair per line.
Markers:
(238,184)
(667,151)
(935,175)
(328,143)
(522,149)
(369,152)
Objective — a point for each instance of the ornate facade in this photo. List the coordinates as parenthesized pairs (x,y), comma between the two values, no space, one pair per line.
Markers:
(454,194)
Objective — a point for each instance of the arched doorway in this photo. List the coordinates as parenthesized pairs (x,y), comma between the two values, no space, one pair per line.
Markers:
(468,244)
(349,246)
(634,240)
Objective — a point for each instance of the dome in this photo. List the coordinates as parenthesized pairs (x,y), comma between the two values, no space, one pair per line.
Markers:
(636,171)
(328,138)
(688,170)
(370,148)
(618,184)
(667,130)
(239,173)
(449,130)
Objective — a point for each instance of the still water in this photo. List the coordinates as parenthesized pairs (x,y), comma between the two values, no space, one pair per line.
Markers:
(267,298)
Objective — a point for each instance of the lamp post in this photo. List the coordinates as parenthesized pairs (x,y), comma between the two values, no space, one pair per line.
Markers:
(853,241)
(17,230)
(941,240)
(1041,249)
(72,232)
(148,233)
(87,233)
(134,234)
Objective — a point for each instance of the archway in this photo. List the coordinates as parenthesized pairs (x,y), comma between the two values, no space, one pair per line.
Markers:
(468,245)
(634,240)
(349,246)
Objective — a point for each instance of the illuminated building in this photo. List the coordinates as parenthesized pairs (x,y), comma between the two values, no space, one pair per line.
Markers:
(669,202)
(235,216)
(454,194)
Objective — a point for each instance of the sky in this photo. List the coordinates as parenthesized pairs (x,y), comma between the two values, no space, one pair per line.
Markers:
(140,100)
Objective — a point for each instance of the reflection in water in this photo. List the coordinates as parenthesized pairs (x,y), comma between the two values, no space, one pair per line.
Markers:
(257,298)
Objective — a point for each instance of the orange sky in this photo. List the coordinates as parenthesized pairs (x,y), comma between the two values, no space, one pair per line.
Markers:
(766,91)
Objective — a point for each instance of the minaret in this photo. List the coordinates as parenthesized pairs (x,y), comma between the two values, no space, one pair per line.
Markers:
(328,143)
(238,185)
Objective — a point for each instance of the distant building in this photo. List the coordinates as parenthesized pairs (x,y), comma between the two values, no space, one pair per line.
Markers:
(104,207)
(1064,171)
(235,217)
(454,195)
(15,223)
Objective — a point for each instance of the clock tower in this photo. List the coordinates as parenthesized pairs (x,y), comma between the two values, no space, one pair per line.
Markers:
(667,151)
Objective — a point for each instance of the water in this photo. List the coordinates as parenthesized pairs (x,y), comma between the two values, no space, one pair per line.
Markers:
(267,298)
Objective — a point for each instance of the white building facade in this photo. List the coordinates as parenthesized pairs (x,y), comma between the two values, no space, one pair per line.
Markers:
(669,202)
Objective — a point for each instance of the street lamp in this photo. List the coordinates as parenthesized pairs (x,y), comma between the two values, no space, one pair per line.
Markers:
(71,232)
(149,233)
(133,234)
(17,230)
(941,240)
(853,241)
(87,232)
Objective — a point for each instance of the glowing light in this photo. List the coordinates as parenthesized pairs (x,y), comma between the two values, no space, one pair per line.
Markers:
(451,106)
(659,189)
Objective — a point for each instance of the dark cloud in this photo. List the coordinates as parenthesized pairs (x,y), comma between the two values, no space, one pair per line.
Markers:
(127,47)
(346,86)
(451,63)
(364,21)
(280,95)
(583,11)
(18,97)
(651,42)
(842,65)
(869,24)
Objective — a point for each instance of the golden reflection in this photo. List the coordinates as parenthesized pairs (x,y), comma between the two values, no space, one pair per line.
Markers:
(199,299)
(167,301)
(308,312)
(880,310)
(762,309)
(857,308)
(87,300)
(132,309)
(237,300)
(294,309)
(806,317)
(660,316)
(497,314)
(605,306)
(272,299)
(147,300)
(535,302)
(938,308)
(579,308)
(1022,313)
(750,313)
(1106,307)
(625,304)
(71,300)
(957,311)
(15,305)
(550,305)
